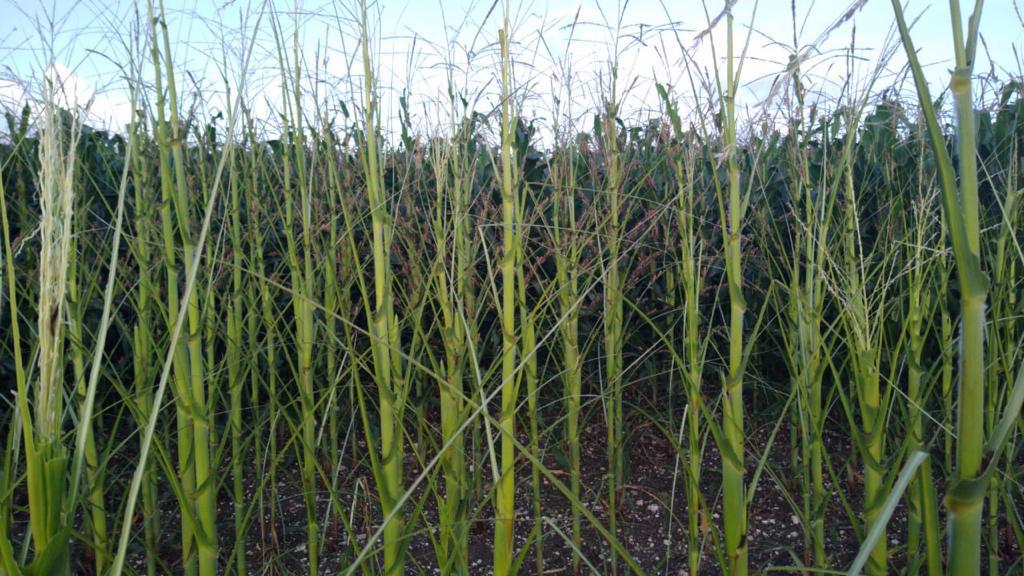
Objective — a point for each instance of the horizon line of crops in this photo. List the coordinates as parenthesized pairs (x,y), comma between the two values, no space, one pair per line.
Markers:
(382,317)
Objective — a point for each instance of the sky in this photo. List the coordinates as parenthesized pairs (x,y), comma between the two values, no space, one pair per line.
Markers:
(87,43)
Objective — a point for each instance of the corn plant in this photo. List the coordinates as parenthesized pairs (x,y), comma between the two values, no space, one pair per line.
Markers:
(613,294)
(689,272)
(504,497)
(864,294)
(45,453)
(960,207)
(197,527)
(733,202)
(454,167)
(356,316)
(1003,336)
(143,345)
(568,241)
(298,196)
(806,339)
(385,337)
(922,518)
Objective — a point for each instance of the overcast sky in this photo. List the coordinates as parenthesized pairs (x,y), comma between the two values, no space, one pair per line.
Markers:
(90,42)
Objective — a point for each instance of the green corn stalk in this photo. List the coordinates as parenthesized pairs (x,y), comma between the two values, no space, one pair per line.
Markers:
(504,497)
(568,242)
(689,271)
(206,300)
(332,291)
(947,343)
(234,354)
(807,347)
(732,213)
(863,315)
(922,512)
(384,332)
(254,301)
(613,304)
(803,273)
(264,300)
(807,301)
(960,208)
(88,400)
(205,483)
(805,338)
(1003,343)
(691,277)
(184,428)
(199,552)
(343,252)
(148,432)
(94,477)
(210,321)
(297,192)
(453,230)
(340,185)
(45,453)
(143,346)
(528,318)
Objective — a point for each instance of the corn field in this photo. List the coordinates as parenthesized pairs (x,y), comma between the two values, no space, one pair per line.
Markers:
(709,339)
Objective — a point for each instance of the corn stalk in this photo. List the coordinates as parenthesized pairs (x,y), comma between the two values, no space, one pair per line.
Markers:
(504,497)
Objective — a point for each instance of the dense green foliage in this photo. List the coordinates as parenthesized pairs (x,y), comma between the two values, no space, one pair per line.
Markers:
(368,316)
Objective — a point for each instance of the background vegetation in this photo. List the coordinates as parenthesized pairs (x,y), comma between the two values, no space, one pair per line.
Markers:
(335,349)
